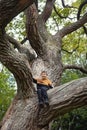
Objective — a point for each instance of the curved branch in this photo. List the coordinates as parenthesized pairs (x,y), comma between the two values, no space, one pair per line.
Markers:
(62,17)
(10,8)
(58,13)
(21,49)
(63,3)
(80,8)
(33,34)
(66,6)
(14,42)
(63,99)
(79,12)
(47,10)
(18,64)
(24,40)
(73,27)
(75,67)
(36,3)
(70,52)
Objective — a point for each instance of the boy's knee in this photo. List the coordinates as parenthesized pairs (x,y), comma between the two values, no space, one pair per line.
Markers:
(38,90)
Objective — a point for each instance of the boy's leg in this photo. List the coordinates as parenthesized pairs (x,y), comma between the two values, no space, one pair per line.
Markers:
(40,98)
(45,96)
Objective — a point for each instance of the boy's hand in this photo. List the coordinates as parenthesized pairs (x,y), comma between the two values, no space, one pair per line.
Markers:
(51,86)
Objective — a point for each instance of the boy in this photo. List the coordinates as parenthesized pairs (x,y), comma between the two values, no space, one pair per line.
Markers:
(43,84)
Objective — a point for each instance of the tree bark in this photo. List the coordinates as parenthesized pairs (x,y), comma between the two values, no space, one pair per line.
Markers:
(73,27)
(10,8)
(24,112)
(26,115)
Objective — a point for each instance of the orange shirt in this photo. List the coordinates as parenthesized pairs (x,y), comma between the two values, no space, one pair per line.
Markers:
(46,82)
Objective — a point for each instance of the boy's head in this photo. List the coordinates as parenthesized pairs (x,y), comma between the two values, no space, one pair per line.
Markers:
(43,74)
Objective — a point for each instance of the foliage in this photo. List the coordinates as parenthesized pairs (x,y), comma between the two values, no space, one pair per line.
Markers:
(74,48)
(75,120)
(6,92)
(16,28)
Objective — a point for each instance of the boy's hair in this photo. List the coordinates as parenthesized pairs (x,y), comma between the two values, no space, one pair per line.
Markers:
(43,72)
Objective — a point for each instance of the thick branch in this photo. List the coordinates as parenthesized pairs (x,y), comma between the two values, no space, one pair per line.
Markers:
(18,64)
(73,27)
(75,67)
(63,99)
(33,34)
(10,8)
(36,3)
(48,10)
(21,48)
(14,42)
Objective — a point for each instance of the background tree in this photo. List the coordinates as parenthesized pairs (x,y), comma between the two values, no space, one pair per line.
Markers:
(7,91)
(23,63)
(77,118)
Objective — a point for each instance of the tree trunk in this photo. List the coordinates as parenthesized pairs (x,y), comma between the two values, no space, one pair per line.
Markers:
(24,112)
(25,118)
(26,115)
(19,115)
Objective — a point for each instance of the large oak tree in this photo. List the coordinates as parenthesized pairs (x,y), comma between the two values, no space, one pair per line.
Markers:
(24,112)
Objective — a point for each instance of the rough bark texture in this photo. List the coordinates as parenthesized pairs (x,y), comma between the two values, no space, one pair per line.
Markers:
(65,98)
(17,63)
(49,54)
(24,113)
(10,8)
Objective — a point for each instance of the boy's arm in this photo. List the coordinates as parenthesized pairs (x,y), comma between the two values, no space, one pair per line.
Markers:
(50,84)
(34,80)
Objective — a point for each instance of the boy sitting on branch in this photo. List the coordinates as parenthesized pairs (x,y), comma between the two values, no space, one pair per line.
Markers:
(43,84)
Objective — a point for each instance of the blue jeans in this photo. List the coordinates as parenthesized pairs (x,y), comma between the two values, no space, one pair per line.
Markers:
(42,94)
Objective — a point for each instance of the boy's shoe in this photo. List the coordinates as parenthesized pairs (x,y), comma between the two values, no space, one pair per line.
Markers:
(41,104)
(46,102)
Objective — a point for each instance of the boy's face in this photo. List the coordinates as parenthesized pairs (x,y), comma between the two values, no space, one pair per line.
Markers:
(43,75)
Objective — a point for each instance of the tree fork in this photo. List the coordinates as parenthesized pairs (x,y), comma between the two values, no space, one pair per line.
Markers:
(18,64)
